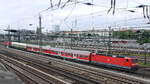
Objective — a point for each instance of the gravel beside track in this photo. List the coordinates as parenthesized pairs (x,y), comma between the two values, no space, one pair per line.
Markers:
(34,74)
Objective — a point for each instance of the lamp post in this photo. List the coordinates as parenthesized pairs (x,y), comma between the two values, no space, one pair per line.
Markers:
(9,35)
(145,54)
(109,40)
(40,32)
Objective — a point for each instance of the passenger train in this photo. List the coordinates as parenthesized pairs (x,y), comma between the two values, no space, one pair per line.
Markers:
(117,62)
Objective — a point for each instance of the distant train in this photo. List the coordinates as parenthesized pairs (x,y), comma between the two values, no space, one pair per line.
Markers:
(117,62)
(119,41)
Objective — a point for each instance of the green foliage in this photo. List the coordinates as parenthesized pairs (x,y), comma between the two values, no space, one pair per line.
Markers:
(124,34)
(142,36)
(144,65)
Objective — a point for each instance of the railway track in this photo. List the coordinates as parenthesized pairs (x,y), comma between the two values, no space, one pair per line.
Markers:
(88,72)
(26,78)
(34,75)
(46,68)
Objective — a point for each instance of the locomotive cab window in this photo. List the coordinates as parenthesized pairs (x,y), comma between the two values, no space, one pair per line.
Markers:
(127,60)
(134,60)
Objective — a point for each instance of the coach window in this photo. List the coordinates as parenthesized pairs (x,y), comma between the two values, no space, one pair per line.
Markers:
(79,55)
(74,55)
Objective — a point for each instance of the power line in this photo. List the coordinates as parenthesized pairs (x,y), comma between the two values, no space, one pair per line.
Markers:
(55,7)
(135,1)
(72,9)
(113,6)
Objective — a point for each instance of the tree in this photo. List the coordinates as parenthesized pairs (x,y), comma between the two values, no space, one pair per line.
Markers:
(124,34)
(143,37)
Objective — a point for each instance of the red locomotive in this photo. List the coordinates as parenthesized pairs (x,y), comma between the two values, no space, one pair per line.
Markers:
(119,62)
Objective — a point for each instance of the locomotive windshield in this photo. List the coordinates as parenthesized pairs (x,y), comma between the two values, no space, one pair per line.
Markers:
(134,60)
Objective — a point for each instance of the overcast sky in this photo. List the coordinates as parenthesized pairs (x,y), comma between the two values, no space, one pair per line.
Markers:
(20,13)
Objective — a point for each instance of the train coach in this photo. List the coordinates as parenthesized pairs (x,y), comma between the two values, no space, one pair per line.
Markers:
(118,62)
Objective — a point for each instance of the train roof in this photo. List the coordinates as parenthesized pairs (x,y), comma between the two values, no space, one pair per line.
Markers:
(67,50)
(71,51)
(25,44)
(16,43)
(57,49)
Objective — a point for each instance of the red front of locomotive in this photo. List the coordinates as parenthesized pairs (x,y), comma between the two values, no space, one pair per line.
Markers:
(131,62)
(120,62)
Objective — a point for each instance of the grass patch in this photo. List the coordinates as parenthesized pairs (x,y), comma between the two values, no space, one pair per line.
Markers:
(146,65)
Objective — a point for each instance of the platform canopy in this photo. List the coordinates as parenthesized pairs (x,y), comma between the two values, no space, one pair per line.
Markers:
(12,30)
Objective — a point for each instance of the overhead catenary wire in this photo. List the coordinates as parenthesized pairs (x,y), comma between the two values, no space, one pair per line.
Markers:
(146,11)
(137,2)
(55,5)
(60,4)
(113,6)
(51,3)
(92,17)
(68,15)
(92,14)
